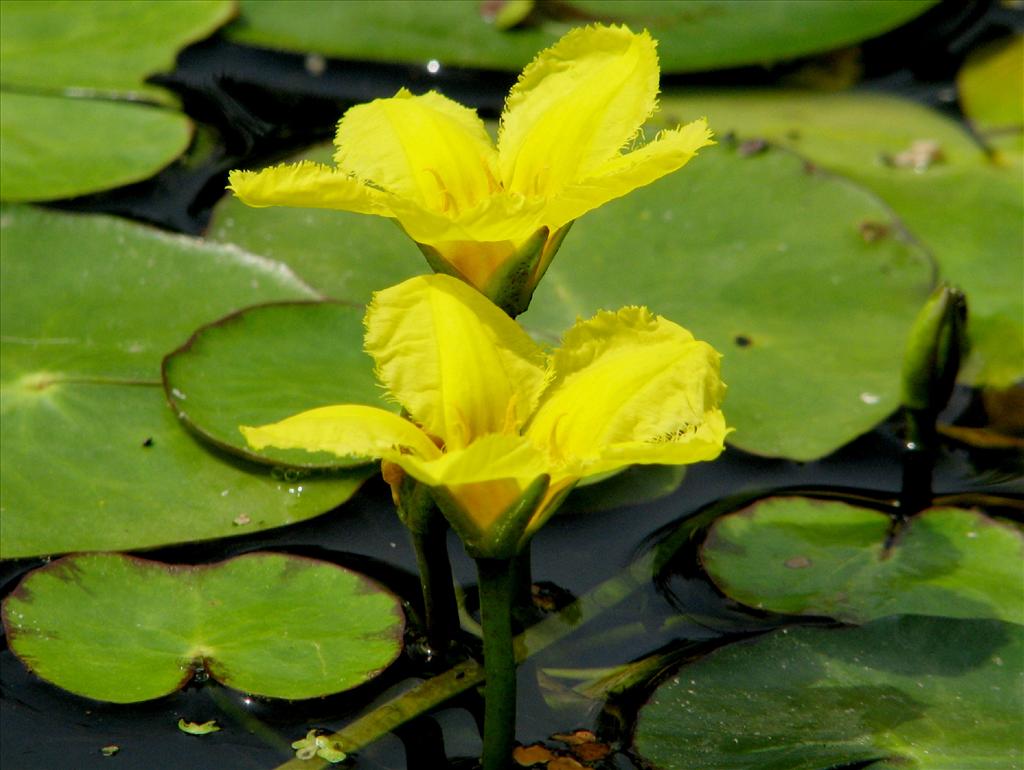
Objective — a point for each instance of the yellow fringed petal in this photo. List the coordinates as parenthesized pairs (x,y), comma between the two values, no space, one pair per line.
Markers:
(575,106)
(307,184)
(348,430)
(427,149)
(624,377)
(458,364)
(701,443)
(669,152)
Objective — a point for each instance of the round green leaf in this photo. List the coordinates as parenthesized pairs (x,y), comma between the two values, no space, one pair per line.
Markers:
(53,147)
(988,96)
(965,207)
(123,629)
(98,47)
(61,62)
(809,557)
(900,692)
(92,458)
(759,256)
(693,35)
(268,363)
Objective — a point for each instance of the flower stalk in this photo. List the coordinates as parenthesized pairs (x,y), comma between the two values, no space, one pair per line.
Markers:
(428,532)
(497,595)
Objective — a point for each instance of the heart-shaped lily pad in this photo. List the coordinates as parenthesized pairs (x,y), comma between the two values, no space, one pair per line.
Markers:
(693,35)
(900,692)
(809,557)
(99,48)
(963,205)
(123,629)
(92,458)
(62,63)
(756,254)
(54,147)
(268,363)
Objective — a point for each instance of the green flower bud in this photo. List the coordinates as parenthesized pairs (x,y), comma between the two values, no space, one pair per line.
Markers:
(937,344)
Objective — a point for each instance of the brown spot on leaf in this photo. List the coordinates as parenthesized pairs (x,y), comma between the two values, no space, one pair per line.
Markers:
(873,231)
(752,147)
(798,562)
(922,154)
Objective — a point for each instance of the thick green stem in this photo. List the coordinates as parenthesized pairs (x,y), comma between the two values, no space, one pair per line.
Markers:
(439,689)
(497,591)
(919,453)
(440,608)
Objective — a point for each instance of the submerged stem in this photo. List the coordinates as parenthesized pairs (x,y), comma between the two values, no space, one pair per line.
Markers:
(919,452)
(497,591)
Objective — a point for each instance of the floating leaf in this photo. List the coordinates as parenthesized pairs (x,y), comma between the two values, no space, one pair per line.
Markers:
(967,210)
(99,48)
(62,62)
(809,557)
(92,458)
(123,629)
(52,147)
(268,363)
(195,728)
(900,692)
(693,35)
(754,254)
(989,86)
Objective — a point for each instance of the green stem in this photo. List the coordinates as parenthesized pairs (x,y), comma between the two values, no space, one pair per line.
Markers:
(439,689)
(497,591)
(440,608)
(919,453)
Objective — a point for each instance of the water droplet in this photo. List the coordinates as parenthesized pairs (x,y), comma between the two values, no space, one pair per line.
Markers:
(870,398)
(433,66)
(315,64)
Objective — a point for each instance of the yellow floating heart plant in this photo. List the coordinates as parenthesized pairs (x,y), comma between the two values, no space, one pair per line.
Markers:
(500,430)
(490,215)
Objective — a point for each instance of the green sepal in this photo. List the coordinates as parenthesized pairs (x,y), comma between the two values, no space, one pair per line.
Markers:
(513,283)
(415,505)
(504,538)
(553,505)
(439,264)
(937,344)
(511,287)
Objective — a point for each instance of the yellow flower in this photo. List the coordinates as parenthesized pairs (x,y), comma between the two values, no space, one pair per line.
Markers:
(494,216)
(500,430)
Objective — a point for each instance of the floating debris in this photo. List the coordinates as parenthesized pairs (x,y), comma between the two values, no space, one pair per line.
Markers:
(196,728)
